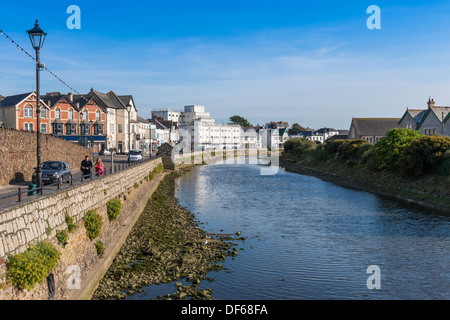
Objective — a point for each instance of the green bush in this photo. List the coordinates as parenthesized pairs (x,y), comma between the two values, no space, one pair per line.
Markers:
(25,270)
(114,207)
(363,150)
(349,149)
(389,150)
(93,224)
(332,147)
(100,248)
(62,237)
(425,155)
(151,175)
(320,153)
(70,225)
(299,146)
(159,168)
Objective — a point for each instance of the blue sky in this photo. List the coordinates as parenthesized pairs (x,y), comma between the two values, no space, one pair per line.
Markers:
(311,62)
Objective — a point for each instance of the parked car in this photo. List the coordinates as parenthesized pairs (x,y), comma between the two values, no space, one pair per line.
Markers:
(135,155)
(106,153)
(54,171)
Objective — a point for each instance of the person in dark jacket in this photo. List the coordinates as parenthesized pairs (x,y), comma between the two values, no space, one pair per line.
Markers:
(86,167)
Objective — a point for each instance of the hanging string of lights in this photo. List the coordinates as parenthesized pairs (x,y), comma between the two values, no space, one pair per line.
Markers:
(14,43)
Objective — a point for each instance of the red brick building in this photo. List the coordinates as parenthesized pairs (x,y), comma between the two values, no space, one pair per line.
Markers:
(92,122)
(78,118)
(19,112)
(63,114)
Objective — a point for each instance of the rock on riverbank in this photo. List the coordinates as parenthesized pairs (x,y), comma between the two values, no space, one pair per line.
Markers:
(165,245)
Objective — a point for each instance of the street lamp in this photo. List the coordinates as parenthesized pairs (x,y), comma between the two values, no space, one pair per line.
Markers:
(37,37)
(129,131)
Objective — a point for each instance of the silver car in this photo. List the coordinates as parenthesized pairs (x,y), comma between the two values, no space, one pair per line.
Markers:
(54,171)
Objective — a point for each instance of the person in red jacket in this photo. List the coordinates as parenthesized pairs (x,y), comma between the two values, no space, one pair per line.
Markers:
(99,168)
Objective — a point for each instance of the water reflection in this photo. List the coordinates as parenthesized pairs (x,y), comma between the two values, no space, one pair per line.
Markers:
(310,239)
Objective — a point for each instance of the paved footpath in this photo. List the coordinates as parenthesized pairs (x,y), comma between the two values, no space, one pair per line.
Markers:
(118,160)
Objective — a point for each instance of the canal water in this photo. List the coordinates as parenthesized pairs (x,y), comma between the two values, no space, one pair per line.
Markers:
(311,239)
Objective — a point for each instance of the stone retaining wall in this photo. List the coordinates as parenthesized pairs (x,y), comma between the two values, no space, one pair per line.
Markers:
(40,220)
(18,154)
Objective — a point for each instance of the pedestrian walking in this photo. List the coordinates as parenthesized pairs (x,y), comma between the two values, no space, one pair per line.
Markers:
(99,168)
(86,167)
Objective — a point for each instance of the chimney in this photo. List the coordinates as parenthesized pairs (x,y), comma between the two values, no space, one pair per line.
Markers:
(70,94)
(431,103)
(49,104)
(1,97)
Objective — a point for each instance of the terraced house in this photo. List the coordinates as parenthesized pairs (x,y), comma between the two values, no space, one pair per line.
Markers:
(78,119)
(121,111)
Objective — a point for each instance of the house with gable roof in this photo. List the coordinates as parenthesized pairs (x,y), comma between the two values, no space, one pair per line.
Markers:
(430,121)
(433,121)
(63,114)
(19,112)
(284,136)
(77,119)
(371,129)
(412,118)
(117,121)
(447,125)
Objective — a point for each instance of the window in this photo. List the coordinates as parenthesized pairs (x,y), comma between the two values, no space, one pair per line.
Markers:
(57,114)
(98,116)
(119,128)
(28,112)
(85,115)
(44,113)
(71,129)
(70,114)
(28,126)
(85,129)
(112,128)
(43,128)
(58,129)
(98,129)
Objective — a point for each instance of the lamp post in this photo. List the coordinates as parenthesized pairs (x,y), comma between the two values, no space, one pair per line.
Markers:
(129,131)
(37,37)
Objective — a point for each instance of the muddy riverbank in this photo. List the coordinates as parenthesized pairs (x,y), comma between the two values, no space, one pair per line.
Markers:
(166,245)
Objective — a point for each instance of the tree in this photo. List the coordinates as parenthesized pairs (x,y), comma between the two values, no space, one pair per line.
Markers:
(390,149)
(240,120)
(296,129)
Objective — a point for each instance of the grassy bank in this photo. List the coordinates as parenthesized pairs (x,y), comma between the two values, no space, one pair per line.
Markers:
(356,164)
(166,245)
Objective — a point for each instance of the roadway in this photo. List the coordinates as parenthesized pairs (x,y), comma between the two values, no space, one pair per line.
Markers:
(118,161)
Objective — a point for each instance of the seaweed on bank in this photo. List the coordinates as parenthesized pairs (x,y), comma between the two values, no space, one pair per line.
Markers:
(165,245)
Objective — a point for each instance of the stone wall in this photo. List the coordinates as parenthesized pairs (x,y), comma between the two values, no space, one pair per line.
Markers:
(40,220)
(18,154)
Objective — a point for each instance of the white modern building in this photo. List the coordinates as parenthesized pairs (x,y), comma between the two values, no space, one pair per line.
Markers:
(205,134)
(166,115)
